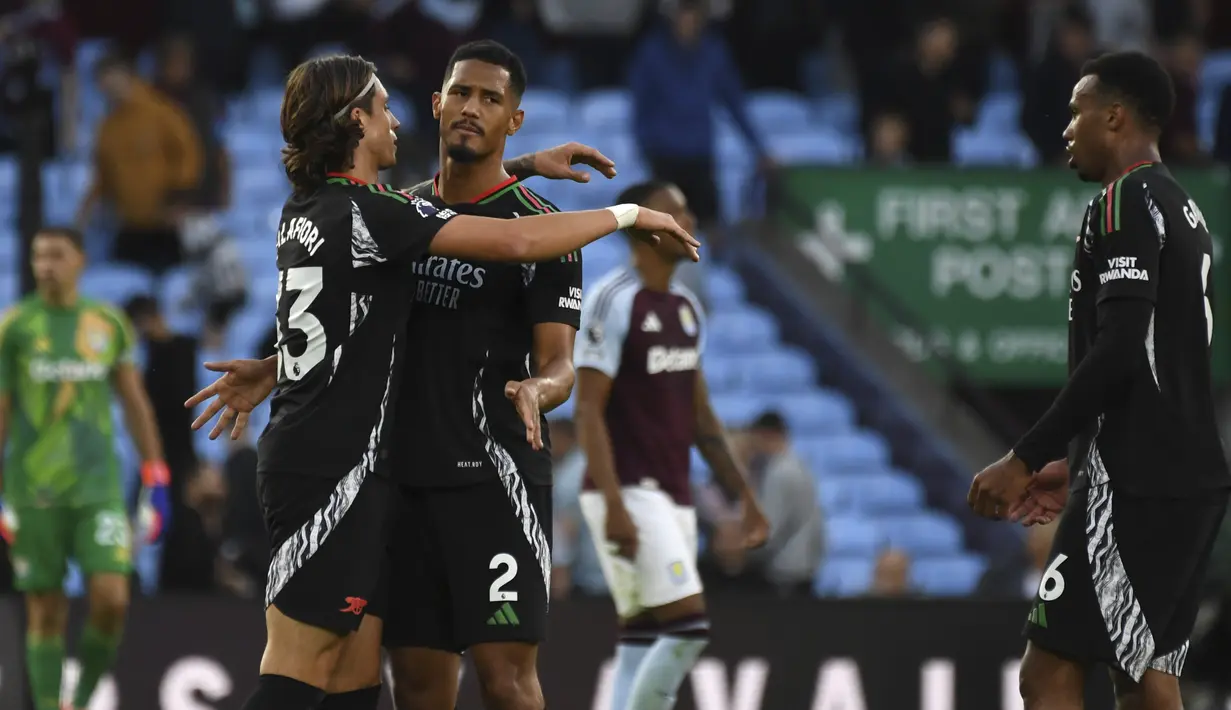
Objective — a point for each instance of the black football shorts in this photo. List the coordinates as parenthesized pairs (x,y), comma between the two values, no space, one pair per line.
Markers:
(469,565)
(1123,583)
(328,542)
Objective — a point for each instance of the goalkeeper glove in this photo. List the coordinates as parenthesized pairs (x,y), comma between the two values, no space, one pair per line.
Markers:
(8,524)
(154,506)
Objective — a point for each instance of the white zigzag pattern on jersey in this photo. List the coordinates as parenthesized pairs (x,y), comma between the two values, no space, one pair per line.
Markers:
(363,248)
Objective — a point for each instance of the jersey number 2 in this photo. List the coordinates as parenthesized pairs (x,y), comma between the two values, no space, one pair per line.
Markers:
(496,592)
(307,282)
(1205,296)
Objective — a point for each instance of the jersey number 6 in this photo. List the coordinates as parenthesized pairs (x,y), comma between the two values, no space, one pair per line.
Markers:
(307,281)
(1052,584)
(496,592)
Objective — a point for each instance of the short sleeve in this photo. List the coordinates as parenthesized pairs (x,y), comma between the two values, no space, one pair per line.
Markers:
(126,338)
(1133,232)
(392,225)
(605,316)
(553,294)
(8,352)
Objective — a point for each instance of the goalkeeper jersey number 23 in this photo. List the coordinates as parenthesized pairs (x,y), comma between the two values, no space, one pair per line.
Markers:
(56,366)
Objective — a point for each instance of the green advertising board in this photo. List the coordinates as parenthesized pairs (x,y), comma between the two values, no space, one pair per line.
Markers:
(981,259)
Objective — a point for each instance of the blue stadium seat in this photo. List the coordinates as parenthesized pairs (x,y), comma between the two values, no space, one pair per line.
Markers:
(775,111)
(814,412)
(177,302)
(743,331)
(853,535)
(258,186)
(952,576)
(819,145)
(116,283)
(839,112)
(923,533)
(783,371)
(999,113)
(1208,104)
(546,110)
(724,375)
(10,245)
(1215,71)
(1002,73)
(248,328)
(1007,148)
(732,149)
(834,496)
(881,492)
(250,143)
(9,288)
(606,110)
(737,410)
(844,577)
(699,472)
(842,453)
(723,288)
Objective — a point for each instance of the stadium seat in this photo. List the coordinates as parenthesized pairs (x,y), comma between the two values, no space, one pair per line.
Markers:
(248,329)
(732,149)
(724,375)
(844,577)
(115,283)
(723,289)
(699,471)
(852,535)
(606,110)
(9,288)
(546,110)
(839,112)
(782,371)
(817,146)
(1215,71)
(881,492)
(736,410)
(10,246)
(178,305)
(811,411)
(852,452)
(258,186)
(249,142)
(742,331)
(776,111)
(999,113)
(1207,118)
(953,576)
(992,147)
(923,533)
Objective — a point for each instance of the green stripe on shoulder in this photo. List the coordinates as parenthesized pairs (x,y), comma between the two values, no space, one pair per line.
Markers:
(501,193)
(1113,200)
(386,191)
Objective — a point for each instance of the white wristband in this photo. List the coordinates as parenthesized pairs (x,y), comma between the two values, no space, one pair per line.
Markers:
(626,215)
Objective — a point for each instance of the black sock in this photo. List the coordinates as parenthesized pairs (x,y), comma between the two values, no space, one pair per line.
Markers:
(365,699)
(277,692)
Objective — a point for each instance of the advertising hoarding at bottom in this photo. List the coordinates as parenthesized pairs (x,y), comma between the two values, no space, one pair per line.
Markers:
(202,653)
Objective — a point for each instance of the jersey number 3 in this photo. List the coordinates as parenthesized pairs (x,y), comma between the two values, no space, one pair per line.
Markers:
(303,284)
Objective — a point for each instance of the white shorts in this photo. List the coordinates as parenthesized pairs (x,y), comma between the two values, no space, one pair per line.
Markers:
(665,570)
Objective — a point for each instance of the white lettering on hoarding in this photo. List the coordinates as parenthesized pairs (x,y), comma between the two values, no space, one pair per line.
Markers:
(1022,273)
(936,685)
(710,690)
(838,686)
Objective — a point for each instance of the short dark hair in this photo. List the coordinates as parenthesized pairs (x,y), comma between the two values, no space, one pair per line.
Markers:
(142,306)
(317,141)
(769,421)
(492,52)
(1139,81)
(63,231)
(642,192)
(112,61)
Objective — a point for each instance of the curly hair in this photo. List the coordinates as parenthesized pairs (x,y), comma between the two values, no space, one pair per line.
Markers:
(318,141)
(1140,81)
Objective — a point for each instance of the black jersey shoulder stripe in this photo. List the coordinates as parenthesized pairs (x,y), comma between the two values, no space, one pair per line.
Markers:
(1112,197)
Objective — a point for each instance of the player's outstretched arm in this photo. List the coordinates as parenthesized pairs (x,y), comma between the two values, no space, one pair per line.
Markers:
(557,163)
(711,441)
(550,236)
(244,385)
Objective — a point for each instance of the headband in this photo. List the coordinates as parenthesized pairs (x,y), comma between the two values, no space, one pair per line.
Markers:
(367,87)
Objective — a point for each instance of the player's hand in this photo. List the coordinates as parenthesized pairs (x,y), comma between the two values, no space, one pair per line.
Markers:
(652,226)
(525,397)
(621,531)
(557,163)
(1045,496)
(755,526)
(243,386)
(154,506)
(8,524)
(999,487)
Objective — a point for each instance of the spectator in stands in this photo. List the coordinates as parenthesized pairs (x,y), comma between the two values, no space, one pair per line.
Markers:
(891,575)
(43,33)
(677,75)
(1019,578)
(177,78)
(1049,84)
(786,488)
(147,158)
(1122,24)
(1179,144)
(516,25)
(221,284)
(890,138)
(926,88)
(574,562)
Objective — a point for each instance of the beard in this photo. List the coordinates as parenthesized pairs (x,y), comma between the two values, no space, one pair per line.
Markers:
(462,153)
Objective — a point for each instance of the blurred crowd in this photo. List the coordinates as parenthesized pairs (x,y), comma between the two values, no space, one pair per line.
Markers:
(919,68)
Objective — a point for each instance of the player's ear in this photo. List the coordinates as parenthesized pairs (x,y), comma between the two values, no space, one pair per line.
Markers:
(436,100)
(515,121)
(1116,115)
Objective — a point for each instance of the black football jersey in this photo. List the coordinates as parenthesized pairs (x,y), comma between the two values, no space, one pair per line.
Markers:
(345,289)
(1144,237)
(471,330)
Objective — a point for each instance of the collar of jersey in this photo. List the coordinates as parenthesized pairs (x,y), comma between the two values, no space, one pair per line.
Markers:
(349,178)
(486,194)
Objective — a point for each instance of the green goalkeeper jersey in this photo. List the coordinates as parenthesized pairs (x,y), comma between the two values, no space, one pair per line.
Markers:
(56,366)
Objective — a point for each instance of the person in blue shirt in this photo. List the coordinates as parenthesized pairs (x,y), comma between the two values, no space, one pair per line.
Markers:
(677,74)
